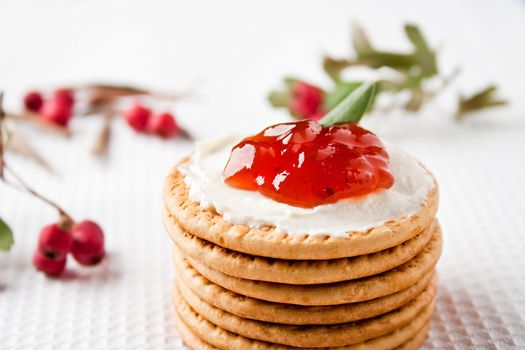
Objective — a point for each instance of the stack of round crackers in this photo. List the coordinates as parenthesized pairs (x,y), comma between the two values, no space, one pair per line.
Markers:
(254,288)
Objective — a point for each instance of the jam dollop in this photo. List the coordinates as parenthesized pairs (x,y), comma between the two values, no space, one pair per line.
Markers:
(305,164)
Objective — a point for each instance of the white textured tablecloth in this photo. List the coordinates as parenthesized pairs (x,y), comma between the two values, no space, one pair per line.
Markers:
(233,53)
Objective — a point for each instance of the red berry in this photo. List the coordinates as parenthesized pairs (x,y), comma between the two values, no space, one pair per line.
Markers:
(33,101)
(88,243)
(137,117)
(50,266)
(306,100)
(54,242)
(65,96)
(163,124)
(56,112)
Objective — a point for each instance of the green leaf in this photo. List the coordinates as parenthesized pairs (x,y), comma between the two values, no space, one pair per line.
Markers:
(6,237)
(279,98)
(289,82)
(353,107)
(378,59)
(367,55)
(425,56)
(333,67)
(334,97)
(360,40)
(485,98)
(370,57)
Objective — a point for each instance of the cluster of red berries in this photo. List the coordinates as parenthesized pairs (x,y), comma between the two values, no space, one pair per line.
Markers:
(85,241)
(57,109)
(142,120)
(306,101)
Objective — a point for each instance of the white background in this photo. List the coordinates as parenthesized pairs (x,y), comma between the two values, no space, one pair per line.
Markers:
(230,54)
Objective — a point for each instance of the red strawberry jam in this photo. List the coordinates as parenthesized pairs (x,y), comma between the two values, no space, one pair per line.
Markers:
(305,164)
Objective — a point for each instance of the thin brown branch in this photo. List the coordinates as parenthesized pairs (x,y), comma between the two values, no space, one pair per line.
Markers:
(20,145)
(2,114)
(36,119)
(124,89)
(22,185)
(65,220)
(100,93)
(185,134)
(102,140)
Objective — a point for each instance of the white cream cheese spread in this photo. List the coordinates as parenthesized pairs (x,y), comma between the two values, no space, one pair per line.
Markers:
(203,176)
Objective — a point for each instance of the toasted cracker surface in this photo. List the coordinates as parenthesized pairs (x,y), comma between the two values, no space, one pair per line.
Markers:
(265,311)
(358,290)
(209,333)
(191,340)
(265,241)
(417,340)
(294,271)
(314,335)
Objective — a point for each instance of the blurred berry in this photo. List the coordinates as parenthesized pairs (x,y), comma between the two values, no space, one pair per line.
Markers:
(33,101)
(65,97)
(137,117)
(163,124)
(56,112)
(306,100)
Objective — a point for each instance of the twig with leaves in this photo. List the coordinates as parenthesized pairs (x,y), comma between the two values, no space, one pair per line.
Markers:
(484,98)
(101,96)
(6,234)
(412,70)
(52,111)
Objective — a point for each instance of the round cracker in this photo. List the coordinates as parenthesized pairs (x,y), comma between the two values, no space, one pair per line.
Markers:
(209,333)
(352,291)
(265,311)
(314,335)
(382,343)
(189,338)
(294,271)
(265,241)
(417,340)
